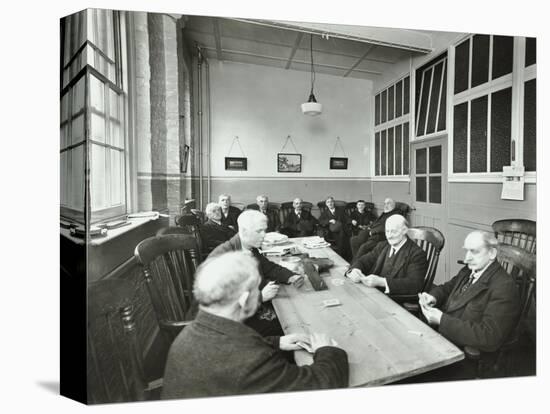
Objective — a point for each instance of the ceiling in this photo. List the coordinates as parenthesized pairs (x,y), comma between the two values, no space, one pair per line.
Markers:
(339,50)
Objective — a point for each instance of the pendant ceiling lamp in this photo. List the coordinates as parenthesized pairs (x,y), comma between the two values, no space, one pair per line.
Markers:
(312,107)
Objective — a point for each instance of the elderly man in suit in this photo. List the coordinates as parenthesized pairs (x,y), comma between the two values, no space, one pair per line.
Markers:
(217,354)
(229,213)
(397,266)
(334,223)
(252,230)
(213,232)
(273,220)
(300,222)
(373,234)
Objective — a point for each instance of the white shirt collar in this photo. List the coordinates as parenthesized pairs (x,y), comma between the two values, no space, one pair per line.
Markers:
(398,247)
(477,274)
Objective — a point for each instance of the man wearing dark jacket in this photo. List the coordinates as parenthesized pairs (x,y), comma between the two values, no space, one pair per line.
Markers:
(397,266)
(334,222)
(218,355)
(299,222)
(368,238)
(229,213)
(273,220)
(360,218)
(252,230)
(213,233)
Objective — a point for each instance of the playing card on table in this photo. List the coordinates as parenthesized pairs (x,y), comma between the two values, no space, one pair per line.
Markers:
(331,302)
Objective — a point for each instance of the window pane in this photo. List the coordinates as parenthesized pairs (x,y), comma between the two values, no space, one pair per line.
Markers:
(77,129)
(530,126)
(424,103)
(116,177)
(65,107)
(399,99)
(530,51)
(97,94)
(377,109)
(460,132)
(98,184)
(421,189)
(97,127)
(406,95)
(442,117)
(503,55)
(64,131)
(115,112)
(434,99)
(63,177)
(76,178)
(480,60)
(421,161)
(501,120)
(383,153)
(390,103)
(462,66)
(435,190)
(406,148)
(435,160)
(377,153)
(390,151)
(384,104)
(398,147)
(478,135)
(78,95)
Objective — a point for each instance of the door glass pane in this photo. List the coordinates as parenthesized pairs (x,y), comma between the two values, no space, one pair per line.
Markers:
(421,189)
(398,147)
(530,51)
(478,135)
(435,160)
(462,66)
(384,104)
(406,95)
(383,153)
(406,148)
(399,99)
(434,99)
(480,60)
(460,135)
(377,109)
(390,151)
(421,161)
(501,124)
(503,55)
(377,153)
(390,103)
(435,190)
(530,126)
(420,128)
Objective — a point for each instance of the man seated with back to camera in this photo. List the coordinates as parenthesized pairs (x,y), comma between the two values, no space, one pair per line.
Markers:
(334,222)
(368,238)
(213,233)
(360,218)
(217,354)
(229,213)
(299,222)
(252,230)
(479,307)
(397,266)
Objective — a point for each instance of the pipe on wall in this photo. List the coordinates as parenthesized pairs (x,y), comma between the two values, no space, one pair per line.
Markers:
(199,123)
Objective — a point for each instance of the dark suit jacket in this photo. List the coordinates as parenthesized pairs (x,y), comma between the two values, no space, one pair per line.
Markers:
(231,219)
(268,269)
(378,226)
(363,219)
(214,234)
(299,227)
(339,215)
(273,219)
(409,271)
(216,356)
(484,315)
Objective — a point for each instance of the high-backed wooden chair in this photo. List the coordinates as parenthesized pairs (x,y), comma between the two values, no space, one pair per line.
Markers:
(403,208)
(432,242)
(169,263)
(521,265)
(337,203)
(287,208)
(517,232)
(115,367)
(189,224)
(270,206)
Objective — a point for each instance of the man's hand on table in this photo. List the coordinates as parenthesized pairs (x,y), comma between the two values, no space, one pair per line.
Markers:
(269,291)
(296,280)
(289,342)
(373,281)
(432,315)
(355,275)
(426,299)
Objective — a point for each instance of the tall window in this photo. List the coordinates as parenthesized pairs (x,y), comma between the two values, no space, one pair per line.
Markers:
(391,130)
(494,104)
(92,114)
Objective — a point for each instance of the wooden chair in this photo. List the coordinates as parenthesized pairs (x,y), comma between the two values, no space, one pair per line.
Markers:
(189,224)
(521,265)
(403,208)
(115,367)
(270,206)
(337,203)
(287,208)
(169,263)
(432,242)
(517,232)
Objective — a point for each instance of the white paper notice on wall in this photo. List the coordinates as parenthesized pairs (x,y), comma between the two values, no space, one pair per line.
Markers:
(513,181)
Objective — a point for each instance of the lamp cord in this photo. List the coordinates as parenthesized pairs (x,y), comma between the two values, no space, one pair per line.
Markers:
(312,67)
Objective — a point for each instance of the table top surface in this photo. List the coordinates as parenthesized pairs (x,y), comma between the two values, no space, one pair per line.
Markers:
(384,342)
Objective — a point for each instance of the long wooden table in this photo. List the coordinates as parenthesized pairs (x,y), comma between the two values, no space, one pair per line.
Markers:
(384,342)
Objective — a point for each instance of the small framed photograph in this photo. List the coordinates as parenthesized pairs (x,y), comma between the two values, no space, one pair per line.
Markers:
(338,163)
(235,164)
(291,163)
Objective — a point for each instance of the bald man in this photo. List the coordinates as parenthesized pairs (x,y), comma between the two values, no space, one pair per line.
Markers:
(300,222)
(397,266)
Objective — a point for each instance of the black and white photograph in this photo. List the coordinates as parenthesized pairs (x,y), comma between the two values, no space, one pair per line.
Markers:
(194,275)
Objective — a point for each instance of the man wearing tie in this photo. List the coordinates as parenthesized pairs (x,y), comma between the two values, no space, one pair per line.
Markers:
(397,266)
(273,220)
(300,222)
(229,213)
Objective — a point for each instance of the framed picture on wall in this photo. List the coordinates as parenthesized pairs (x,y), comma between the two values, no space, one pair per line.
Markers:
(337,163)
(289,163)
(235,163)
(184,158)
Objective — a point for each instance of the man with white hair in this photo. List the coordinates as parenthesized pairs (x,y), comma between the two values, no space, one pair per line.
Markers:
(273,220)
(252,230)
(299,222)
(397,266)
(368,238)
(229,212)
(218,355)
(213,233)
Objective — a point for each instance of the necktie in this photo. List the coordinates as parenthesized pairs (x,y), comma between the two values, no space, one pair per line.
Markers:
(392,252)
(468,283)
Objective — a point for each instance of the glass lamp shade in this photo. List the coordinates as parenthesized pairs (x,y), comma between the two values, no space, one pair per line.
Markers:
(312,108)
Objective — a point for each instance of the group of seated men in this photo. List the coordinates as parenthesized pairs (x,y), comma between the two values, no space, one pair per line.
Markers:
(235,345)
